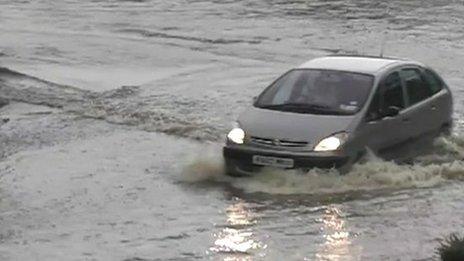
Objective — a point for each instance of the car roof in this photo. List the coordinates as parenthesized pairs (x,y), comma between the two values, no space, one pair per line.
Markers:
(360,64)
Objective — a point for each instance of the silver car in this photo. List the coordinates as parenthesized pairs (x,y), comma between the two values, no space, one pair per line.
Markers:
(328,111)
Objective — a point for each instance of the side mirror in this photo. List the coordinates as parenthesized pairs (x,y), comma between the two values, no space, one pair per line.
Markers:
(391,111)
(254,99)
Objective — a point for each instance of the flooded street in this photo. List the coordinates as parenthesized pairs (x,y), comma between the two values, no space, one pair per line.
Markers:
(110,144)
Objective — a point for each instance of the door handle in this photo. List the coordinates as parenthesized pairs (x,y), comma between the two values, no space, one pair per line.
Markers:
(405,120)
(433,107)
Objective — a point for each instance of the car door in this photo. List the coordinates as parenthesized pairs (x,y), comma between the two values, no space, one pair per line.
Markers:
(441,104)
(382,132)
(421,106)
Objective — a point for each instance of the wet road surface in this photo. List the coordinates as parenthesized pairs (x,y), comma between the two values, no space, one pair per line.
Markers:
(111,144)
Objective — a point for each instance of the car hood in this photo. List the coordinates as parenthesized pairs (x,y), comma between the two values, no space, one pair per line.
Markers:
(272,124)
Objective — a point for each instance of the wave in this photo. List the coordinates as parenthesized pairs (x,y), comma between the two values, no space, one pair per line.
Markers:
(442,165)
(166,113)
(147,33)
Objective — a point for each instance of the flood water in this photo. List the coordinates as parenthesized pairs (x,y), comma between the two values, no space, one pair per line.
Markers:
(110,147)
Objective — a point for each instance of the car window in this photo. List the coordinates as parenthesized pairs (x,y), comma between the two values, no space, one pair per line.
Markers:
(433,82)
(392,92)
(416,86)
(389,93)
(317,91)
(374,108)
(281,95)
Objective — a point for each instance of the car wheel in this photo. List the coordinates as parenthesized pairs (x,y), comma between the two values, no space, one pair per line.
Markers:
(232,169)
(348,166)
(446,130)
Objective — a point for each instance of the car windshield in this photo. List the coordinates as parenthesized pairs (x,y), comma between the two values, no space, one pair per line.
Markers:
(317,92)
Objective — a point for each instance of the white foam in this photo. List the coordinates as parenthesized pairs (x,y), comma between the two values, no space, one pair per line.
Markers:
(443,164)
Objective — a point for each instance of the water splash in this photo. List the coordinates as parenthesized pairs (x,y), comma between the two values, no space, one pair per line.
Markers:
(443,163)
(204,164)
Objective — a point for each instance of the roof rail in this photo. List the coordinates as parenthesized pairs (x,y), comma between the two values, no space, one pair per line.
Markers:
(367,56)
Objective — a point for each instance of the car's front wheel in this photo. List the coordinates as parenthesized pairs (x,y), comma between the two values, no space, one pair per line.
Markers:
(234,168)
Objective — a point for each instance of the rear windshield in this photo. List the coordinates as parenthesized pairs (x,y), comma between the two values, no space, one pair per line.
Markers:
(317,92)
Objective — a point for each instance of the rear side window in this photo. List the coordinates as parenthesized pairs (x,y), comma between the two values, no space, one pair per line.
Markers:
(416,86)
(434,83)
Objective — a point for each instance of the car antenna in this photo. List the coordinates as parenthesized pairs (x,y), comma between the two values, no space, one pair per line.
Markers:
(384,39)
(382,47)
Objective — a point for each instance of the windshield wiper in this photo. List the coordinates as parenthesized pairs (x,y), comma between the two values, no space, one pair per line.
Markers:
(295,105)
(302,107)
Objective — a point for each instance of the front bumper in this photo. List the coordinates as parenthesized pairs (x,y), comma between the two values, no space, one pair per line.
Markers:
(240,158)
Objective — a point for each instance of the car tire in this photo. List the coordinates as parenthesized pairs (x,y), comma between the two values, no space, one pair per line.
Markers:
(348,166)
(231,169)
(345,168)
(446,130)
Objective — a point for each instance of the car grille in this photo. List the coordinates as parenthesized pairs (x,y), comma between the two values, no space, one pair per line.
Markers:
(278,142)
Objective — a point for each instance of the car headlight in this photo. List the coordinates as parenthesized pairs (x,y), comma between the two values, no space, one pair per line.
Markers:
(332,143)
(236,135)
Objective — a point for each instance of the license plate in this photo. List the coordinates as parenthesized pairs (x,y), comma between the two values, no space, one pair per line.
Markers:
(273,161)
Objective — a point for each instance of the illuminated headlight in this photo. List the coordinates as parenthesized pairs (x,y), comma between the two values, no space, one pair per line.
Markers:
(236,135)
(331,143)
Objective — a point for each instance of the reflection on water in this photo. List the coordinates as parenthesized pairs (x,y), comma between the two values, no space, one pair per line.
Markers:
(337,244)
(237,239)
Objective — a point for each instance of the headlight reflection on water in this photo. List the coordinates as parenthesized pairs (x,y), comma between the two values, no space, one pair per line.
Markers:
(338,244)
(237,239)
